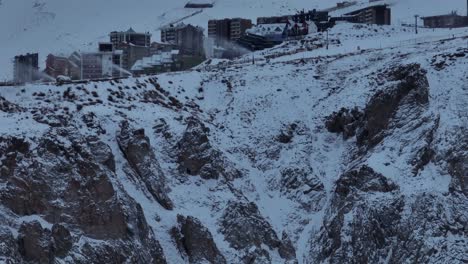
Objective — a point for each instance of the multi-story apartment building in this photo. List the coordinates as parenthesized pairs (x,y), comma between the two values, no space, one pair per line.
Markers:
(219,31)
(188,38)
(26,68)
(378,14)
(224,31)
(130,37)
(57,65)
(101,64)
(452,20)
(238,28)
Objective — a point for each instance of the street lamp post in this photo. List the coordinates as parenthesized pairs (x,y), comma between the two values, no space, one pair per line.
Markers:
(416,23)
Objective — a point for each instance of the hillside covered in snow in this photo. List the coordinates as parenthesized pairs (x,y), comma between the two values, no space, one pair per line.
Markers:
(56,26)
(355,154)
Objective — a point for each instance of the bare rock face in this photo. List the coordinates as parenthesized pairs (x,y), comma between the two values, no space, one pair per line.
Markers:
(62,240)
(196,156)
(412,87)
(136,147)
(299,183)
(34,243)
(457,160)
(286,249)
(246,230)
(370,218)
(195,241)
(344,121)
(351,187)
(9,252)
(67,180)
(365,179)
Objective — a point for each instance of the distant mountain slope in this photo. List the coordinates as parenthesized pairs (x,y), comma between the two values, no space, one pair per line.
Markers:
(58,26)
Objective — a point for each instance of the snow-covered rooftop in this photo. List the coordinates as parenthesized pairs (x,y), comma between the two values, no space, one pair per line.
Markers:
(267,29)
(155,60)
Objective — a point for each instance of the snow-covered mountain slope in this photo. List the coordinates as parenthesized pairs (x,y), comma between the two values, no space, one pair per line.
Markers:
(55,26)
(310,155)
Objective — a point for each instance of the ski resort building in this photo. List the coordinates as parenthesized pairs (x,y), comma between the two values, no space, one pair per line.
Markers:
(219,31)
(130,37)
(452,20)
(225,31)
(378,14)
(62,66)
(188,38)
(158,63)
(102,64)
(25,68)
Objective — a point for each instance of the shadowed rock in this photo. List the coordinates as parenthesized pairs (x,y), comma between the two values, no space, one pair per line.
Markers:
(136,147)
(245,229)
(411,87)
(196,156)
(9,252)
(34,243)
(196,241)
(66,180)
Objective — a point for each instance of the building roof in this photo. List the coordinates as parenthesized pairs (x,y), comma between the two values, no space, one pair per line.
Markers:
(267,29)
(155,60)
(181,25)
(130,31)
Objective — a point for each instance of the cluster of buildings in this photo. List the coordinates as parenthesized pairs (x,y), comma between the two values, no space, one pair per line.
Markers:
(127,53)
(183,46)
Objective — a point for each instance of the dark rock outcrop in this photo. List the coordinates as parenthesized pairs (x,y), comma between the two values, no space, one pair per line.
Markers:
(196,156)
(369,218)
(457,163)
(344,121)
(34,243)
(365,180)
(9,252)
(368,222)
(195,241)
(302,185)
(67,180)
(8,107)
(245,229)
(62,240)
(286,249)
(409,85)
(136,147)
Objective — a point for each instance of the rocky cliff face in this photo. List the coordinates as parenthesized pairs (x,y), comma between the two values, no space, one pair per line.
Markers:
(354,158)
(65,191)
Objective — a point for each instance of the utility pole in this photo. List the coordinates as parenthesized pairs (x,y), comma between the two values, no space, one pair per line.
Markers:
(327,38)
(416,23)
